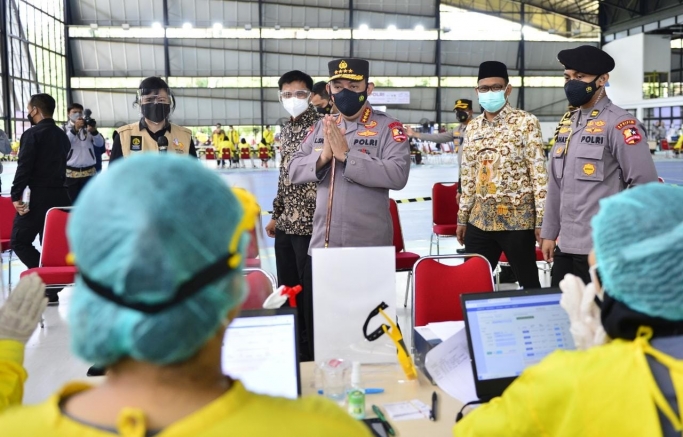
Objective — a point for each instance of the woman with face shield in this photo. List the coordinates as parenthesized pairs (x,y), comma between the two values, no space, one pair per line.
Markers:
(154,132)
(629,379)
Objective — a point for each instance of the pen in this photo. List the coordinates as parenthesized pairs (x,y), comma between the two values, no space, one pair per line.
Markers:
(432,414)
(385,423)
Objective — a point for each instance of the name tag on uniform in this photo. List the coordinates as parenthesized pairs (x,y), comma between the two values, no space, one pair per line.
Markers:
(135,143)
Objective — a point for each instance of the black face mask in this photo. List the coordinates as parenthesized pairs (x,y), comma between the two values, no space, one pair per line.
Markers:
(579,92)
(348,102)
(462,116)
(156,112)
(325,109)
(31,120)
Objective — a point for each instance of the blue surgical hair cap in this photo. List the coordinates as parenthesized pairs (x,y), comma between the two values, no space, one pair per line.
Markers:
(142,228)
(638,235)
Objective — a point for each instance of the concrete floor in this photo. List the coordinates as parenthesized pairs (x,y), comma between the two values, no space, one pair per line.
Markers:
(49,361)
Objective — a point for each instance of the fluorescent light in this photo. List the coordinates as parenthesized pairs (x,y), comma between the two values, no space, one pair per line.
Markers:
(419,28)
(391,27)
(217,26)
(363,27)
(187,25)
(93,25)
(156,25)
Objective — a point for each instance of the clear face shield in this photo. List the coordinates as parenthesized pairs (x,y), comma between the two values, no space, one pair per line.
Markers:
(156,105)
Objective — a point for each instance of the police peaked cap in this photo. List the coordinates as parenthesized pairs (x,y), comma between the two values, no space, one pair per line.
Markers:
(492,69)
(463,104)
(586,59)
(351,69)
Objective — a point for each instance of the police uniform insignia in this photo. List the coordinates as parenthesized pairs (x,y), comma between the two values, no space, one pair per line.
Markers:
(625,123)
(593,130)
(318,149)
(559,150)
(564,130)
(397,132)
(367,133)
(136,143)
(631,135)
(370,125)
(588,169)
(594,113)
(366,115)
(599,123)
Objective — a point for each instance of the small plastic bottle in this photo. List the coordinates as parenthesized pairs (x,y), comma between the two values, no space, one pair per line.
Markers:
(356,396)
(26,197)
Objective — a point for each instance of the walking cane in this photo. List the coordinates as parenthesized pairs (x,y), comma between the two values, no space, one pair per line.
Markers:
(330,197)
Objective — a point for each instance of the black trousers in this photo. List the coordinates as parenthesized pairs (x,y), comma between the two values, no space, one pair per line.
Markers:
(294,268)
(519,247)
(74,186)
(565,263)
(27,226)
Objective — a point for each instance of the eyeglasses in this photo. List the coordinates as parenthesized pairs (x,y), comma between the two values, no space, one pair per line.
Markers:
(144,100)
(495,88)
(299,94)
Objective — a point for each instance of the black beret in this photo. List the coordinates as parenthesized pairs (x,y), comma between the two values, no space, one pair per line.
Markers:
(586,59)
(352,69)
(492,69)
(463,104)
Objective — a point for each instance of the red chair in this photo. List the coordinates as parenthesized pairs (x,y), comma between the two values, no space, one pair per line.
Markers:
(210,155)
(263,152)
(437,286)
(404,260)
(444,212)
(261,285)
(53,270)
(7,213)
(226,154)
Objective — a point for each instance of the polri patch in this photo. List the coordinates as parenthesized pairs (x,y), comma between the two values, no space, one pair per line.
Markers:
(136,143)
(631,136)
(397,132)
(623,124)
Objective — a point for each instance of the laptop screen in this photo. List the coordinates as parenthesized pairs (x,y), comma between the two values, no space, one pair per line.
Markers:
(260,349)
(511,331)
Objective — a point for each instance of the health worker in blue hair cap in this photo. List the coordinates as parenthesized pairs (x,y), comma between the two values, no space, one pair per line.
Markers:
(628,382)
(157,287)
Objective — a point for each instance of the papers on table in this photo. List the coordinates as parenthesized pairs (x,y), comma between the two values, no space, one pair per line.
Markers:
(446,330)
(408,410)
(449,365)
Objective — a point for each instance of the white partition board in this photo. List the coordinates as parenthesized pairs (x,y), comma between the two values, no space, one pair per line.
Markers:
(348,283)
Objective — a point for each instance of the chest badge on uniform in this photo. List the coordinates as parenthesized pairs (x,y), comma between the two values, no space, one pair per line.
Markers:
(594,113)
(559,151)
(564,130)
(588,169)
(367,133)
(593,130)
(136,143)
(370,125)
(631,135)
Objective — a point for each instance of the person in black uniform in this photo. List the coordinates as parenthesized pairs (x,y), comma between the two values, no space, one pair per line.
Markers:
(156,103)
(41,168)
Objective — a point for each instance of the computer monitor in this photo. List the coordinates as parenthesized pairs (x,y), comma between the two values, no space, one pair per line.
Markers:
(260,349)
(509,331)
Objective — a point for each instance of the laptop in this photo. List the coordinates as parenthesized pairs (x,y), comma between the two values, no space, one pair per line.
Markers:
(510,331)
(260,349)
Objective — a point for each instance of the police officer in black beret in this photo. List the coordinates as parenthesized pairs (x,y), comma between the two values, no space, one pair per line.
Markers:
(600,150)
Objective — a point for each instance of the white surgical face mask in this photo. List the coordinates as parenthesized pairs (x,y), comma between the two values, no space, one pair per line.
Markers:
(295,106)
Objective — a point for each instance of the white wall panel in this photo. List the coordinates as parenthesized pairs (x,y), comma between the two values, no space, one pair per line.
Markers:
(117,58)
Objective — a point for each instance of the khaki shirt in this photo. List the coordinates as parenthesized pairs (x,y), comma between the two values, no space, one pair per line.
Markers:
(378,161)
(503,174)
(598,152)
(135,139)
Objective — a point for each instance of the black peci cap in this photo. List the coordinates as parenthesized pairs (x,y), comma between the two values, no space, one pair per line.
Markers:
(586,59)
(351,69)
(492,69)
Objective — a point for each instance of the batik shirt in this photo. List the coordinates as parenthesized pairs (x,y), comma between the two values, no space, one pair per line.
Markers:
(294,205)
(503,172)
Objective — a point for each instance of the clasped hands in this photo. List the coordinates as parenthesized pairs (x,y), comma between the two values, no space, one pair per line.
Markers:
(334,142)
